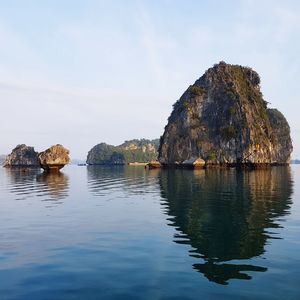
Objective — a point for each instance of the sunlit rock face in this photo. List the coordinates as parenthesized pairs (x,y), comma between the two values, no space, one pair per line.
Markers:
(54,158)
(22,156)
(223,119)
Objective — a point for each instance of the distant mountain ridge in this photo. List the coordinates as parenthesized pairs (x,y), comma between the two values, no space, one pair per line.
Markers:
(136,150)
(295,161)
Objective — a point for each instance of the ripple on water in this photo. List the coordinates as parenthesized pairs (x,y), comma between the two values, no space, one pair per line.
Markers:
(130,233)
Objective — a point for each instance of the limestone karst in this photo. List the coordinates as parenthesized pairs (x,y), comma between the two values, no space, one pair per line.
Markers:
(22,156)
(223,119)
(140,151)
(54,158)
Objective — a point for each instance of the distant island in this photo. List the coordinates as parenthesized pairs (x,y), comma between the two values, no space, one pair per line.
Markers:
(52,159)
(295,161)
(130,152)
(223,120)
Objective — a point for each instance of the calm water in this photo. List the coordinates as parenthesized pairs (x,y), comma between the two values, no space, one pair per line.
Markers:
(129,233)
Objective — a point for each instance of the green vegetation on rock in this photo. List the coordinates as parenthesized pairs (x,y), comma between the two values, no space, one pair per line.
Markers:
(131,151)
(228,132)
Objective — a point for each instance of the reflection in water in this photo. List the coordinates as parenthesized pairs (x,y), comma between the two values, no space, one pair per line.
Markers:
(22,181)
(19,176)
(226,215)
(28,182)
(55,183)
(108,180)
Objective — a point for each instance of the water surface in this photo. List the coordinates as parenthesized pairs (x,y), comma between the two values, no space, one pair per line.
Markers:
(131,233)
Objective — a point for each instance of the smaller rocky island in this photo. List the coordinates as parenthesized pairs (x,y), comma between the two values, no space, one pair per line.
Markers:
(136,152)
(22,156)
(52,159)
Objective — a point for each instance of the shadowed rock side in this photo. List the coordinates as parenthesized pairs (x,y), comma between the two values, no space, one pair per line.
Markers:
(54,158)
(223,119)
(22,156)
(226,215)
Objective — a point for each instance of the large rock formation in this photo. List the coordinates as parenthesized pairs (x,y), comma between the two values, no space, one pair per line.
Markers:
(223,119)
(22,156)
(54,158)
(129,152)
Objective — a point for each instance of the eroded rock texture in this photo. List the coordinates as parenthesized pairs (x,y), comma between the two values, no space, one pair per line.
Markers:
(22,156)
(54,158)
(223,119)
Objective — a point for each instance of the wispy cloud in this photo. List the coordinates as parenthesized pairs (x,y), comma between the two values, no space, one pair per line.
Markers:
(113,72)
(156,46)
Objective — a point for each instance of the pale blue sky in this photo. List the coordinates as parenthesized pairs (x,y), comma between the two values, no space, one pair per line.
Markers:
(84,72)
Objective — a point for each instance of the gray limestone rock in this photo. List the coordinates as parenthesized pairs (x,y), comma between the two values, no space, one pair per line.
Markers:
(223,119)
(22,156)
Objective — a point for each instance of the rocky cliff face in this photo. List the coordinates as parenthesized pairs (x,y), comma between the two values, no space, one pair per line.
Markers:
(130,151)
(223,119)
(54,158)
(22,156)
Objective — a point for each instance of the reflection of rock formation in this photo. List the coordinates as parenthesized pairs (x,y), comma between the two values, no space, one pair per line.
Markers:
(226,215)
(22,181)
(21,176)
(28,182)
(104,180)
(221,273)
(55,184)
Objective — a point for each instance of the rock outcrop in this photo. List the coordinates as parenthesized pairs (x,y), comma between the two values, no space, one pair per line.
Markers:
(22,156)
(54,158)
(223,119)
(154,164)
(194,163)
(133,151)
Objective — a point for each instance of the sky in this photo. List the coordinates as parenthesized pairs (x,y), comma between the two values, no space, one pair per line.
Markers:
(83,72)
